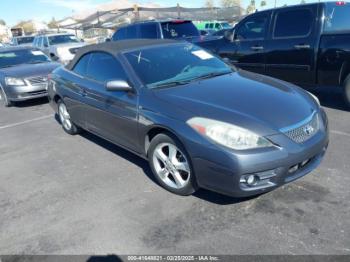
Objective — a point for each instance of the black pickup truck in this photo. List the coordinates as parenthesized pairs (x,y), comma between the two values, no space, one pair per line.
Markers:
(304,44)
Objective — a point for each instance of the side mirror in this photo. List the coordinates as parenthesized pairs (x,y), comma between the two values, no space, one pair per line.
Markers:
(46,45)
(118,85)
(229,35)
(108,40)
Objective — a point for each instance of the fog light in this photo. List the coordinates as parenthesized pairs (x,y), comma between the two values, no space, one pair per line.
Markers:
(251,180)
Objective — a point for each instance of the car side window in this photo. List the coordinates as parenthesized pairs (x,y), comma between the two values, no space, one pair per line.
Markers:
(104,67)
(45,42)
(206,26)
(148,30)
(293,23)
(40,42)
(217,26)
(252,28)
(81,66)
(131,32)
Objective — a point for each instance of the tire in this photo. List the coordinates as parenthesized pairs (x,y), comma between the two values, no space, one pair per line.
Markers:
(4,100)
(68,126)
(171,165)
(346,92)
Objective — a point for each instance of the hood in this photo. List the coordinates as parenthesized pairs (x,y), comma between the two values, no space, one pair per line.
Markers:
(69,45)
(29,70)
(249,100)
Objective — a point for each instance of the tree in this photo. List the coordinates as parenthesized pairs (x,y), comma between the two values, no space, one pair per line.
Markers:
(209,3)
(303,2)
(28,26)
(263,3)
(53,24)
(2,22)
(230,3)
(251,7)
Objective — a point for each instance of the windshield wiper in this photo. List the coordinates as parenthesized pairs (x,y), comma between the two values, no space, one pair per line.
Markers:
(171,84)
(7,66)
(36,62)
(211,75)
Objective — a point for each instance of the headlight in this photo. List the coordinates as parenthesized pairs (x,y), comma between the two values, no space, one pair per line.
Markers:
(227,134)
(12,81)
(315,98)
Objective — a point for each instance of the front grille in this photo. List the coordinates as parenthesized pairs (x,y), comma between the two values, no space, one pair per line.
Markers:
(304,130)
(38,80)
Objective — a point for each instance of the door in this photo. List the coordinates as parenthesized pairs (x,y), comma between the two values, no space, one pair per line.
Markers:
(45,44)
(247,49)
(76,94)
(291,49)
(112,115)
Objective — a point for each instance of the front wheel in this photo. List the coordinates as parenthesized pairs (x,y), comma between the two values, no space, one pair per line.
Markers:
(65,119)
(3,99)
(347,91)
(171,165)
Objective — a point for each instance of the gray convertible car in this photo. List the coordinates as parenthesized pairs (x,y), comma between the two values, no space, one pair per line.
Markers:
(200,122)
(23,74)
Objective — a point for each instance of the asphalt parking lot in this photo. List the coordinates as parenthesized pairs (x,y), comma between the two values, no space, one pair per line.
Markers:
(82,195)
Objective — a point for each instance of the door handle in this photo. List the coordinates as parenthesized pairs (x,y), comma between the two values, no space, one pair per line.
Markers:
(302,46)
(257,48)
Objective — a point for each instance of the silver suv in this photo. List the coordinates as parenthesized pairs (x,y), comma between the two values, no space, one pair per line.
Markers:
(60,47)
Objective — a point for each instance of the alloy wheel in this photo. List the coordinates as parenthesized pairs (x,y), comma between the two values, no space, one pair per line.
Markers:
(64,116)
(171,166)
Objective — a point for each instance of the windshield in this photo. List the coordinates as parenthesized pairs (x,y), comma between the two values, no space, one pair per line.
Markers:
(175,64)
(25,40)
(24,56)
(62,39)
(179,29)
(337,17)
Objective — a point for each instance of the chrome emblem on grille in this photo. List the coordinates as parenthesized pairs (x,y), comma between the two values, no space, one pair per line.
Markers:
(309,130)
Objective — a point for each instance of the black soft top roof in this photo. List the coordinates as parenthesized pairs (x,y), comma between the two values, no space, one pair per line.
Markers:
(117,47)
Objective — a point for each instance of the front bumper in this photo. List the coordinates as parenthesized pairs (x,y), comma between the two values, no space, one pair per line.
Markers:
(223,171)
(22,93)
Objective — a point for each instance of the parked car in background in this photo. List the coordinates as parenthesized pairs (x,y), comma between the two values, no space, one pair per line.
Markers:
(22,41)
(222,32)
(23,74)
(59,47)
(304,44)
(198,121)
(213,25)
(169,29)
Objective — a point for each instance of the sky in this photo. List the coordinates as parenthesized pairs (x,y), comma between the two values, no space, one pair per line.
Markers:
(12,11)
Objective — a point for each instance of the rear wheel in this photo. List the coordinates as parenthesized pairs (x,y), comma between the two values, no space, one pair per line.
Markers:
(347,91)
(171,165)
(65,119)
(4,100)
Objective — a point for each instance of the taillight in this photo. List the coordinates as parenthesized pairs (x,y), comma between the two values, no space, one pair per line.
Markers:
(178,21)
(340,3)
